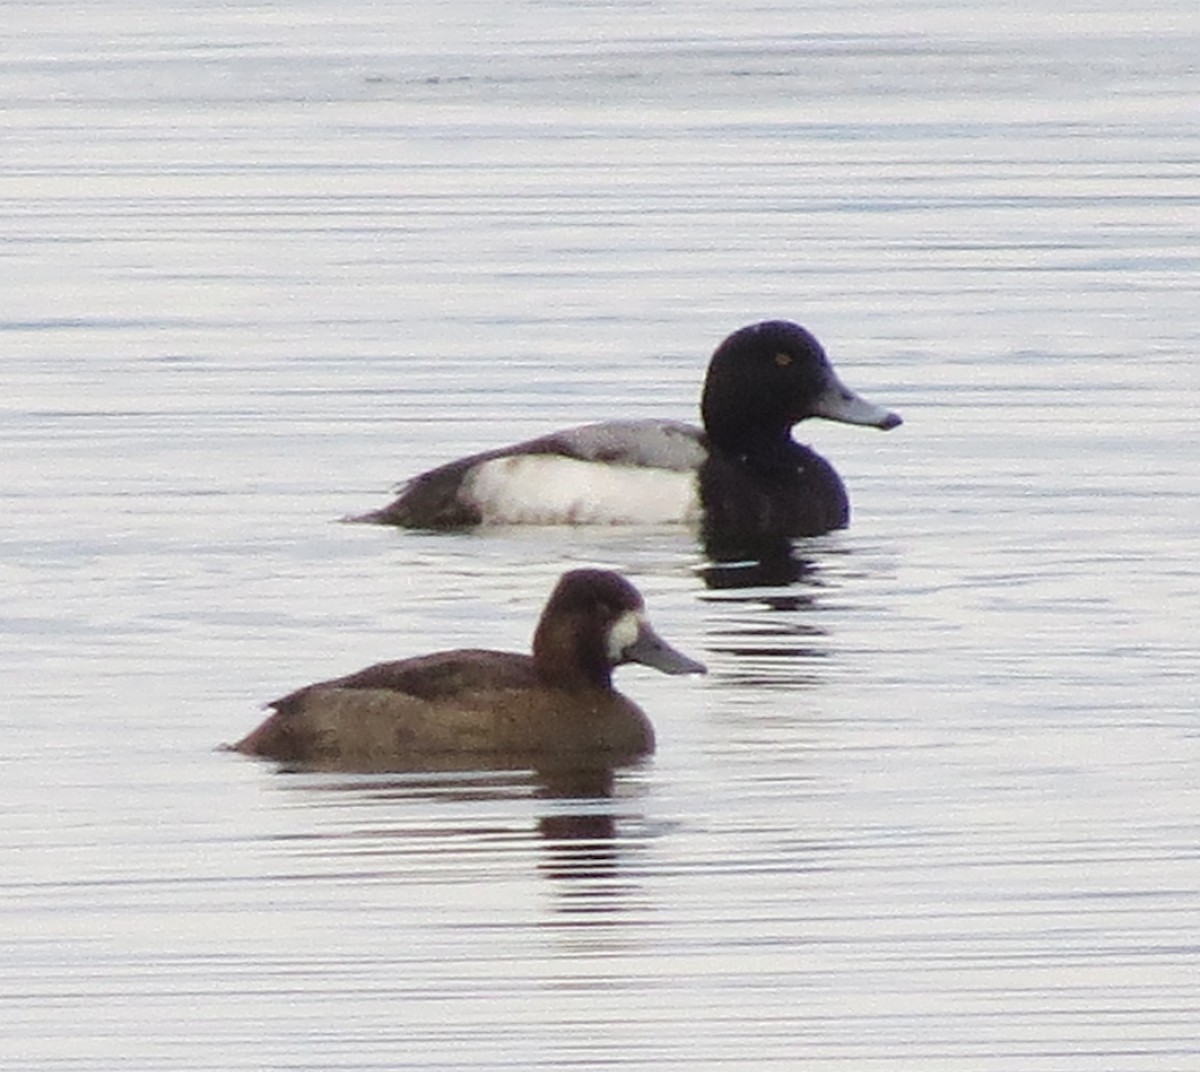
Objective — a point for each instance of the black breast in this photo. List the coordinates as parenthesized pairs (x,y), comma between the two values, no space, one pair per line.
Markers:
(747,500)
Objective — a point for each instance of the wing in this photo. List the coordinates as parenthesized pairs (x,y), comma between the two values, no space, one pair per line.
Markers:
(650,444)
(441,676)
(435,499)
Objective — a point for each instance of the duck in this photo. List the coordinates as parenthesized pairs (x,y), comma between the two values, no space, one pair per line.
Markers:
(741,474)
(557,703)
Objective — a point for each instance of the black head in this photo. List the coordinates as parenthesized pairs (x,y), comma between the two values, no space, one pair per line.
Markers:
(766,377)
(595,620)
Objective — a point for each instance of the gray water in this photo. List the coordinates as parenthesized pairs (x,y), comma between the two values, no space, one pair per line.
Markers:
(935,806)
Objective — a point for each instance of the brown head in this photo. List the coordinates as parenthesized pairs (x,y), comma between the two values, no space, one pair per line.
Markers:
(594,621)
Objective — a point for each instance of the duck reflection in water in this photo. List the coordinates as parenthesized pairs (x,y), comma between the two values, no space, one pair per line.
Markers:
(584,818)
(584,842)
(764,562)
(765,614)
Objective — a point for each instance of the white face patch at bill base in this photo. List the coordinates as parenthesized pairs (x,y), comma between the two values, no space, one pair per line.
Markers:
(624,632)
(548,489)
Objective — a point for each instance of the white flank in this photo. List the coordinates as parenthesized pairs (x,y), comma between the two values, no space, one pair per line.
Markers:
(548,489)
(624,632)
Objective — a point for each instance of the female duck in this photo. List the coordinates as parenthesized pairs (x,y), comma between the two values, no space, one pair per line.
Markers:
(742,474)
(559,702)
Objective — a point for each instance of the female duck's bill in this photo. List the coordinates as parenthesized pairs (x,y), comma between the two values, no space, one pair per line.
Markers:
(453,708)
(742,471)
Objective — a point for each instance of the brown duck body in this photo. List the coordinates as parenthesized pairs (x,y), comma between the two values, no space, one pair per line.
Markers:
(558,702)
(468,702)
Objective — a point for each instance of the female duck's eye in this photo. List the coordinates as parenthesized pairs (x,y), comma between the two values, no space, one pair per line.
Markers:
(782,359)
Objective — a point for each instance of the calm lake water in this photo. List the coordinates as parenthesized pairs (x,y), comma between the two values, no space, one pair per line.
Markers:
(935,806)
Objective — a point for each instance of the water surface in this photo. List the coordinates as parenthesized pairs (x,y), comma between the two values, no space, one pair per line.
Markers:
(934,806)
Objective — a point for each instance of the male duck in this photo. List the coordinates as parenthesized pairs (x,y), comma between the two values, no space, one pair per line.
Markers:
(557,703)
(743,474)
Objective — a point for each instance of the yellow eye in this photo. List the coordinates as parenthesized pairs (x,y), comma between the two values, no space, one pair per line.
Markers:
(782,359)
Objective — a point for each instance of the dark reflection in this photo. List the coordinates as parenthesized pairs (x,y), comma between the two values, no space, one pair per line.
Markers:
(582,840)
(585,825)
(770,594)
(765,562)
